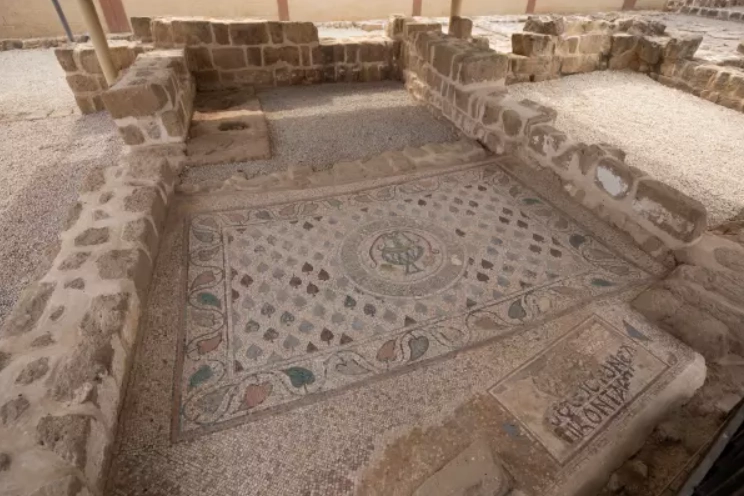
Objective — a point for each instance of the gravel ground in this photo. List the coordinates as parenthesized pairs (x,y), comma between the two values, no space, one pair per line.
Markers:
(42,162)
(33,86)
(325,124)
(685,141)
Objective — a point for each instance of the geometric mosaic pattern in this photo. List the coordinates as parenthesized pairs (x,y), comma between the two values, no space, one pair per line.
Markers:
(287,303)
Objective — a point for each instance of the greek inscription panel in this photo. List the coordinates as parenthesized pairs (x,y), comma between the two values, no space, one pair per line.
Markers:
(578,386)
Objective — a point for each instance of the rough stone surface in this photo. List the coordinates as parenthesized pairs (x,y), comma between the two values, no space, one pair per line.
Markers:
(33,371)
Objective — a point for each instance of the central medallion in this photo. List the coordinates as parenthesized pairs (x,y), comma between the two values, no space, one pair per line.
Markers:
(403,257)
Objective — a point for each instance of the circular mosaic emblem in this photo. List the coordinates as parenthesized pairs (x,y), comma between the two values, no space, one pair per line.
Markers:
(402,257)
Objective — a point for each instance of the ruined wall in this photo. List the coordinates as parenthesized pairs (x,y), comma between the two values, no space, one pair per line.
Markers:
(228,54)
(66,348)
(717,9)
(466,84)
(153,102)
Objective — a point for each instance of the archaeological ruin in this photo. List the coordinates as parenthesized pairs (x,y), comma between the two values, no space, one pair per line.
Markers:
(512,309)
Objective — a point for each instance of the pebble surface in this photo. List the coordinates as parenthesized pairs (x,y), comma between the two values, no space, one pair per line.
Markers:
(689,143)
(317,126)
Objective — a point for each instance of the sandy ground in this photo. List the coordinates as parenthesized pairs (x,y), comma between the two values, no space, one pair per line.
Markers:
(321,125)
(680,139)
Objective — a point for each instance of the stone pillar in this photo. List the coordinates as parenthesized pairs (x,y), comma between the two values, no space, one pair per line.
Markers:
(93,23)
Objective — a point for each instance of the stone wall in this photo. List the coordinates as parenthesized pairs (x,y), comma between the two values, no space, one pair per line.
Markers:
(717,9)
(84,74)
(153,102)
(702,301)
(66,348)
(723,85)
(230,54)
(466,84)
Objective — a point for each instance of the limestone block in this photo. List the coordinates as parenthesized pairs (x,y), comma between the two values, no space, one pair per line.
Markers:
(552,25)
(444,56)
(300,32)
(374,51)
(740,48)
(574,64)
(247,77)
(352,53)
(162,34)
(461,27)
(680,217)
(691,325)
(650,49)
(595,43)
(191,32)
(532,44)
(248,33)
(703,76)
(199,58)
(682,47)
(567,45)
(534,68)
(642,27)
(29,309)
(141,28)
(481,67)
(417,27)
(127,98)
(81,83)
(395,26)
(65,59)
(229,58)
(221,32)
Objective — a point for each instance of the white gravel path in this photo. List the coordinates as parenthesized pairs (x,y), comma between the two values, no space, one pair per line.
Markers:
(685,141)
(324,124)
(33,85)
(42,163)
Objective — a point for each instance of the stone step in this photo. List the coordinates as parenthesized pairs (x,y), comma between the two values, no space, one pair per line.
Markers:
(390,163)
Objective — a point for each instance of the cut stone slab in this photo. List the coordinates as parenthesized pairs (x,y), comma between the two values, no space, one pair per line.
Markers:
(472,473)
(227,127)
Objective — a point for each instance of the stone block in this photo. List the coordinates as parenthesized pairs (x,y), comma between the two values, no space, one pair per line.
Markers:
(567,45)
(533,44)
(65,59)
(221,32)
(191,32)
(352,52)
(135,100)
(300,33)
(482,67)
(552,25)
(676,214)
(276,32)
(623,43)
(461,27)
(410,28)
(229,58)
(332,52)
(444,56)
(286,54)
(132,135)
(82,83)
(682,47)
(230,136)
(395,26)
(691,325)
(534,68)
(141,28)
(175,122)
(595,43)
(162,34)
(575,64)
(374,51)
(199,58)
(650,49)
(249,33)
(740,48)
(703,75)
(207,80)
(546,141)
(613,177)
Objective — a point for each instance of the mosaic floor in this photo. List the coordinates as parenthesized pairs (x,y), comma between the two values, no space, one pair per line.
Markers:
(288,304)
